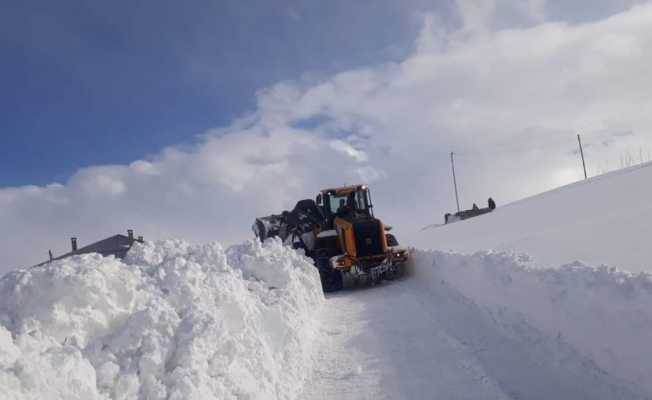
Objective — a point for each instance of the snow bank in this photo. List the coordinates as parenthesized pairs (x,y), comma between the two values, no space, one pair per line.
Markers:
(173,321)
(603,313)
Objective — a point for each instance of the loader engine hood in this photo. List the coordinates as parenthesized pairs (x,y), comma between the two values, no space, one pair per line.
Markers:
(368,235)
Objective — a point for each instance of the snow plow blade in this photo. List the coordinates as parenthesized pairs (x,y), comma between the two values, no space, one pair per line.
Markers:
(361,274)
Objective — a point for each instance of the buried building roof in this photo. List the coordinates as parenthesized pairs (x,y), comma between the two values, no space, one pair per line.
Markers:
(116,245)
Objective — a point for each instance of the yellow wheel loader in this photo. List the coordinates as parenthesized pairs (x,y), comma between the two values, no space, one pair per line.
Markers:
(339,231)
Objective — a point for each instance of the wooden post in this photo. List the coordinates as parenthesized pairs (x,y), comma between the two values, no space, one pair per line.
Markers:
(457,197)
(582,154)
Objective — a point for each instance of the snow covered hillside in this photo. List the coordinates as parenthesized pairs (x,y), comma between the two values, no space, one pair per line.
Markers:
(173,321)
(605,220)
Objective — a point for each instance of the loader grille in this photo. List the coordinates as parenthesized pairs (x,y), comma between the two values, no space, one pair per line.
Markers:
(367,238)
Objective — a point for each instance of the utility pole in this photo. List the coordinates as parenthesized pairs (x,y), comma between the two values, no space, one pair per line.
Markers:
(457,197)
(582,154)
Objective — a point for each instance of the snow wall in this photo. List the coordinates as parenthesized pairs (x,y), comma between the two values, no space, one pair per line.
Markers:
(175,321)
(171,321)
(603,313)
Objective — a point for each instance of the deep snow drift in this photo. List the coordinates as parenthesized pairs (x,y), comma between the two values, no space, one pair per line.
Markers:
(488,326)
(172,321)
(175,321)
(601,313)
(604,220)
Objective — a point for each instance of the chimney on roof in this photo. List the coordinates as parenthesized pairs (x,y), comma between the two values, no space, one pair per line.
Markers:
(130,234)
(140,239)
(73,242)
(50,254)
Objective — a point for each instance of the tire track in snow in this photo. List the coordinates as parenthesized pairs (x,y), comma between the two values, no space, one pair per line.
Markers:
(409,340)
(383,343)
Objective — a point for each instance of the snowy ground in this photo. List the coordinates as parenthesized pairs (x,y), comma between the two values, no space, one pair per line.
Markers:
(604,220)
(461,328)
(199,322)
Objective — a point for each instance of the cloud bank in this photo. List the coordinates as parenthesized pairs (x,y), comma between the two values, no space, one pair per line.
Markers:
(508,100)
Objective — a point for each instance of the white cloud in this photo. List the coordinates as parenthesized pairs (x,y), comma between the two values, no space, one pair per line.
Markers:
(508,102)
(345,148)
(477,15)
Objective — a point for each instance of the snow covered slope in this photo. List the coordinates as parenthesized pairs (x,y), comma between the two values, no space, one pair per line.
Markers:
(605,220)
(173,321)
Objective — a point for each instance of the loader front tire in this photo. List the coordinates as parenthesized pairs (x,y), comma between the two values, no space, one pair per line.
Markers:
(331,279)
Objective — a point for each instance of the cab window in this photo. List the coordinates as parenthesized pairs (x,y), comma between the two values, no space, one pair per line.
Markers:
(351,201)
(338,203)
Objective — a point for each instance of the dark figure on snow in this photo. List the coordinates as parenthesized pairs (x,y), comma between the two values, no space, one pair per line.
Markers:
(491,203)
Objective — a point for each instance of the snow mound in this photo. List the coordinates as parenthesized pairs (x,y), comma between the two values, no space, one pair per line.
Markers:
(171,321)
(603,313)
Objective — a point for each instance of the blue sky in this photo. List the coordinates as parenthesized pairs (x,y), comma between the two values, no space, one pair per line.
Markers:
(88,83)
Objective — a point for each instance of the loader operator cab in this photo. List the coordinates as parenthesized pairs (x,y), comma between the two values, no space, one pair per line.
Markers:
(347,201)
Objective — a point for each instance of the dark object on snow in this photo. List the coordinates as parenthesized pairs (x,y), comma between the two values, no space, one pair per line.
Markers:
(473,212)
(116,245)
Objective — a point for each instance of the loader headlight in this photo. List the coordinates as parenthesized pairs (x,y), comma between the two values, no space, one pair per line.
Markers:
(342,262)
(400,254)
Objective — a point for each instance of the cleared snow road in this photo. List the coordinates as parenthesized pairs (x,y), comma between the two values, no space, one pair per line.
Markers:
(385,343)
(408,340)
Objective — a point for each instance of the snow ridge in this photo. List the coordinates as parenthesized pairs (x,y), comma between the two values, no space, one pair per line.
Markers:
(171,321)
(603,314)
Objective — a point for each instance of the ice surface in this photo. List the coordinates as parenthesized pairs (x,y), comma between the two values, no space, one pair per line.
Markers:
(173,321)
